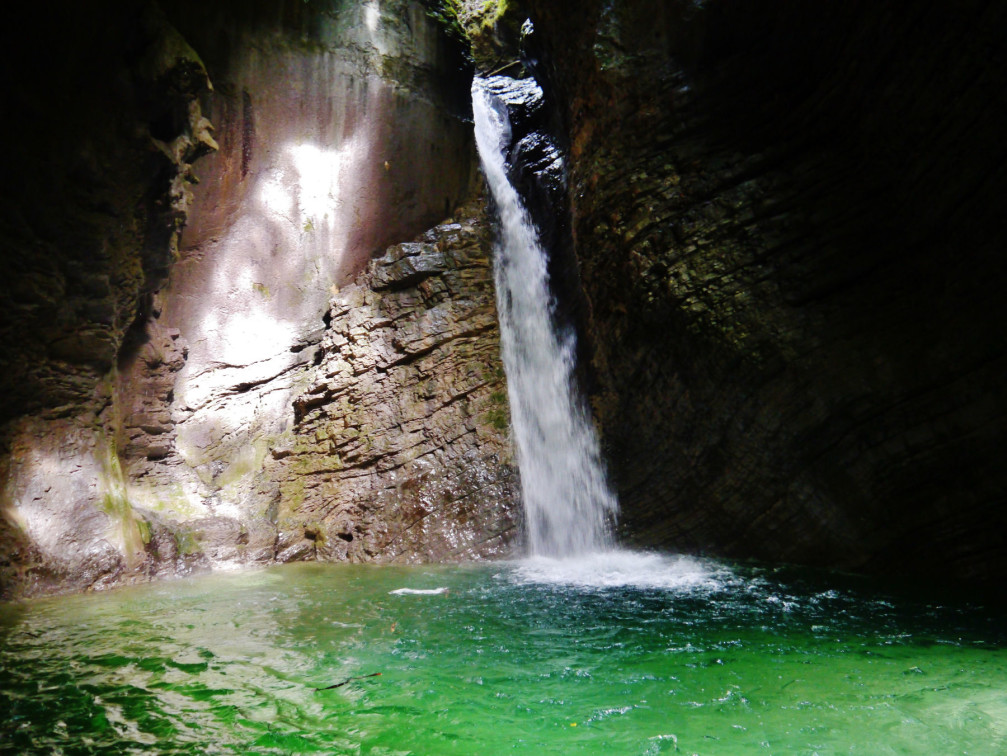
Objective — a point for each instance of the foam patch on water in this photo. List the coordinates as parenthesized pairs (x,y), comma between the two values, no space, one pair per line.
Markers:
(418,591)
(620,569)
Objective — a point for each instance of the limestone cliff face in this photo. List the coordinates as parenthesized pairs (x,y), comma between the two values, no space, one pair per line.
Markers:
(275,396)
(96,192)
(787,222)
(399,449)
(340,134)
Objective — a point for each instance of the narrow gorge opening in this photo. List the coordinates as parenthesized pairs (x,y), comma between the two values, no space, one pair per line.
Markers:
(569,507)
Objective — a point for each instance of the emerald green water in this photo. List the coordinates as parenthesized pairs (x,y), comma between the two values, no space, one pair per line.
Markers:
(657,656)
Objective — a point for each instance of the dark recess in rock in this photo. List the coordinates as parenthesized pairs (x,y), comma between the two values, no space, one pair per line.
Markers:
(787,217)
(247,133)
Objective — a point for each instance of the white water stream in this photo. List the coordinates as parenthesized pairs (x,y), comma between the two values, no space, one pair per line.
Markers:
(568,504)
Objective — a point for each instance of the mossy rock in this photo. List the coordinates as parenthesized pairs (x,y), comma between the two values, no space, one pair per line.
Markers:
(493,31)
(186,543)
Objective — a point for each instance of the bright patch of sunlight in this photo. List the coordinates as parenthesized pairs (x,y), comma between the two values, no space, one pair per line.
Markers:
(244,335)
(318,180)
(276,197)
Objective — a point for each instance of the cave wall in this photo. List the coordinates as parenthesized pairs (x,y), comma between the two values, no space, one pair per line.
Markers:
(787,224)
(339,135)
(152,421)
(94,200)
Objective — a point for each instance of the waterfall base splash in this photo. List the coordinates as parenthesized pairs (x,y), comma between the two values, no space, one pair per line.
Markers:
(617,568)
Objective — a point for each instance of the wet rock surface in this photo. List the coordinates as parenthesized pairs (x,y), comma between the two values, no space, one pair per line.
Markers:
(68,523)
(785,218)
(400,448)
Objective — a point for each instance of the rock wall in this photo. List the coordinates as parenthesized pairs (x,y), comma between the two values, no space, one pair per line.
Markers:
(96,192)
(400,449)
(786,218)
(338,137)
(787,226)
(201,432)
(94,196)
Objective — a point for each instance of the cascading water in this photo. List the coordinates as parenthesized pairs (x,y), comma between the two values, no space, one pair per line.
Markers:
(568,504)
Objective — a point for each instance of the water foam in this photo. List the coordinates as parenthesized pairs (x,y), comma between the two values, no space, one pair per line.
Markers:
(617,568)
(418,591)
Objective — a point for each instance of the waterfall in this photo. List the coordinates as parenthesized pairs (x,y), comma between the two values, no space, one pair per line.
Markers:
(568,504)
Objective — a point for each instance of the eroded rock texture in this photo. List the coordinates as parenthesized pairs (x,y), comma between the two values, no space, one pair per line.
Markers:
(340,133)
(400,439)
(151,424)
(787,220)
(787,225)
(102,136)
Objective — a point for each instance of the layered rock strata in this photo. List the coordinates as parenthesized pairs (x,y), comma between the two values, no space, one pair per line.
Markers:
(786,219)
(339,132)
(394,447)
(336,140)
(399,449)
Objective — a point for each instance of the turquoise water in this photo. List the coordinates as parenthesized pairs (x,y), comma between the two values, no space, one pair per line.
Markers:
(649,656)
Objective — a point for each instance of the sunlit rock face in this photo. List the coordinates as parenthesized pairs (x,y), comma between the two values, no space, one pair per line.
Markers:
(340,129)
(388,436)
(788,222)
(336,140)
